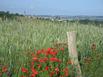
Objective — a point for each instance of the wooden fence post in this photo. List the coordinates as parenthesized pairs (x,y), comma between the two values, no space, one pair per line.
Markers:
(73,52)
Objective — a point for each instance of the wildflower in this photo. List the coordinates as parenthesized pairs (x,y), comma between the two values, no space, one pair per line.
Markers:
(66,72)
(53,53)
(39,52)
(35,58)
(43,51)
(39,65)
(46,68)
(55,60)
(57,70)
(32,54)
(32,75)
(42,60)
(62,49)
(34,71)
(32,63)
(47,52)
(4,69)
(49,49)
(24,70)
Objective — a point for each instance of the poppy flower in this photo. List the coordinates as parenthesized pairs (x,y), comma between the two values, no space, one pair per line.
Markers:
(39,52)
(57,70)
(35,59)
(24,70)
(32,54)
(46,68)
(32,63)
(43,51)
(32,75)
(4,69)
(53,53)
(34,71)
(47,53)
(42,60)
(49,49)
(39,65)
(62,49)
(66,72)
(55,60)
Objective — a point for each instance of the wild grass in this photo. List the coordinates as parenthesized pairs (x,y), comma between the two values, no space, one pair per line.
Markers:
(23,35)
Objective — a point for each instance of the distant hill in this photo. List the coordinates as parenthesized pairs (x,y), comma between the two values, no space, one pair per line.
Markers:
(63,17)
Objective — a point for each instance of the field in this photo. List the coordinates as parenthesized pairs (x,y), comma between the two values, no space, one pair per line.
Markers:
(19,37)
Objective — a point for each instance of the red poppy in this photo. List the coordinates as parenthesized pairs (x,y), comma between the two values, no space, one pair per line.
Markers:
(32,75)
(32,63)
(24,70)
(34,71)
(47,53)
(62,49)
(4,69)
(39,65)
(53,53)
(35,58)
(39,52)
(43,51)
(66,72)
(42,60)
(57,69)
(55,60)
(46,68)
(49,49)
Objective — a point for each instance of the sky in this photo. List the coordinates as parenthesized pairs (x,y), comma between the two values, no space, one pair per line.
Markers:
(53,7)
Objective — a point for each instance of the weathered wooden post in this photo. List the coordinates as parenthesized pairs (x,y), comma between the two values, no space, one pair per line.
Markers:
(73,52)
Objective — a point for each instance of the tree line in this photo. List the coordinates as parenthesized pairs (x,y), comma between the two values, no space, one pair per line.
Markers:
(7,15)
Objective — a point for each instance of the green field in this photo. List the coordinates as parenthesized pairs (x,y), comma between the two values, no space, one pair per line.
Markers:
(23,35)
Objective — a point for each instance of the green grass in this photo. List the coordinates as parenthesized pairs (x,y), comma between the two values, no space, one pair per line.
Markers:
(25,34)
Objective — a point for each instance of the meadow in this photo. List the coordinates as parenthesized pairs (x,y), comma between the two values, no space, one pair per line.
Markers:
(21,36)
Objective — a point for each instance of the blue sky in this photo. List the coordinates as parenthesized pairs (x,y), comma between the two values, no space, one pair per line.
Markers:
(54,7)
